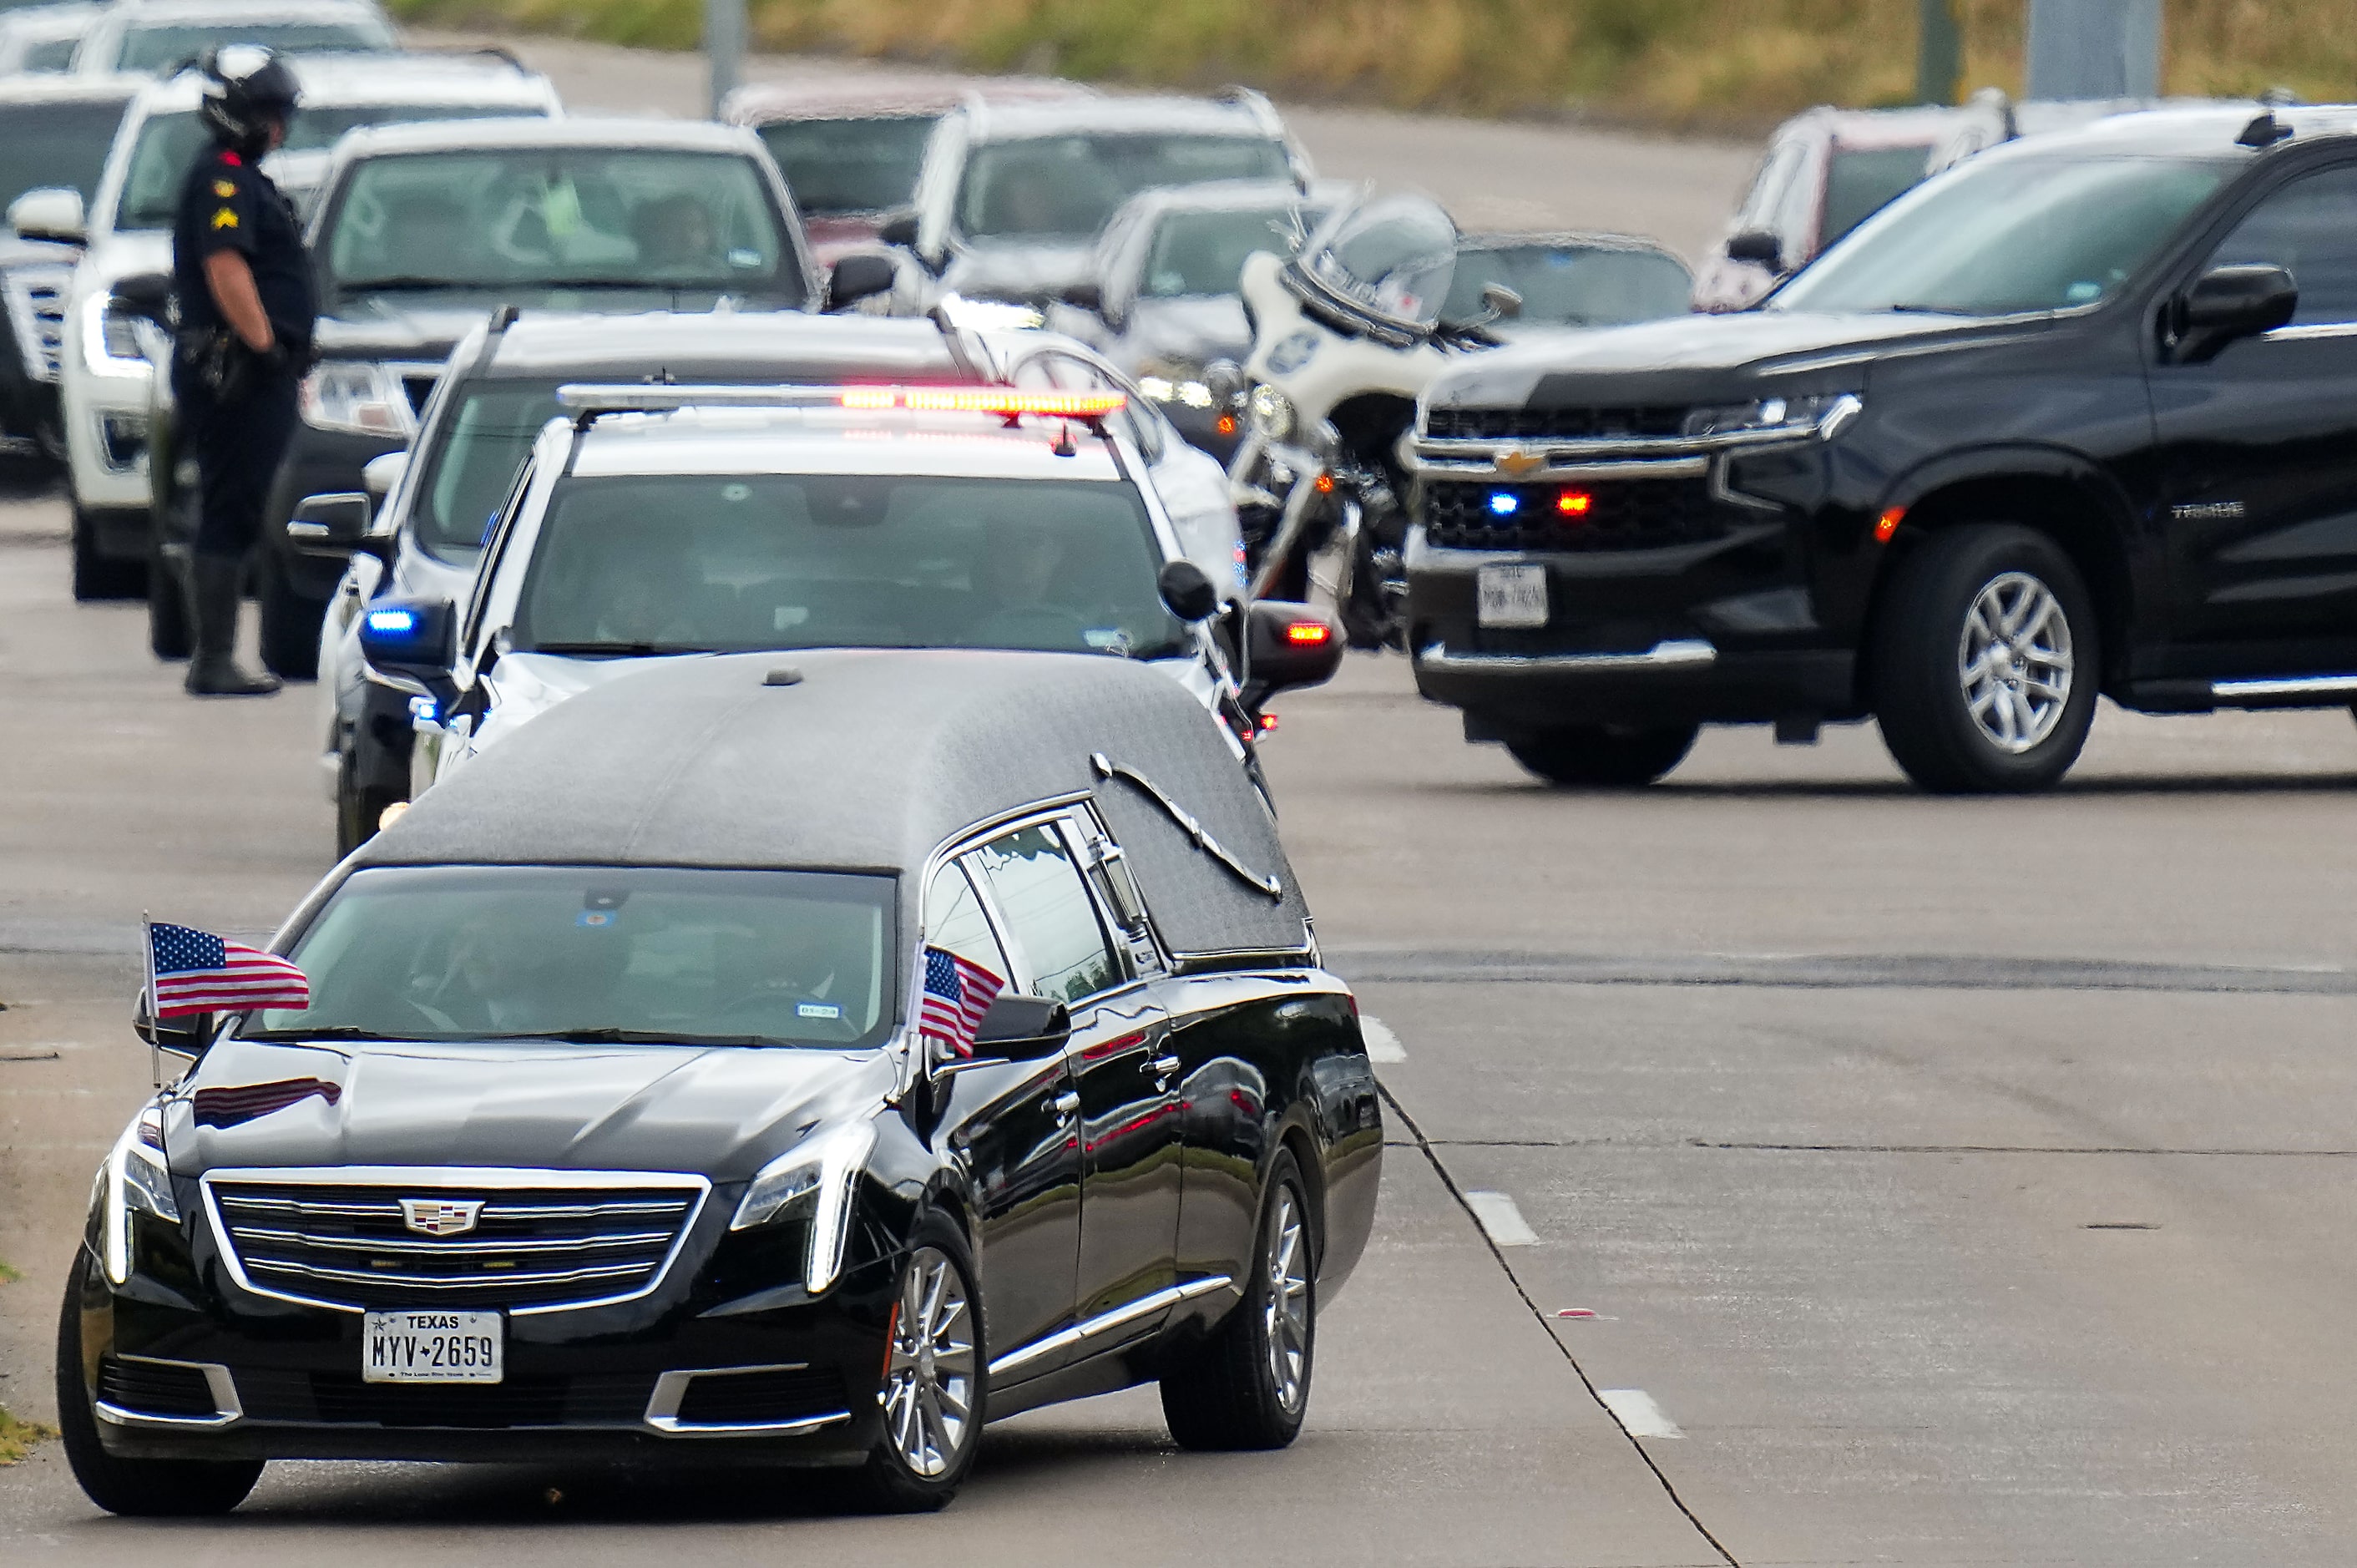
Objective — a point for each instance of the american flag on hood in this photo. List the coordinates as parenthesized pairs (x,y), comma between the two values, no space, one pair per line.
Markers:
(196,971)
(958,992)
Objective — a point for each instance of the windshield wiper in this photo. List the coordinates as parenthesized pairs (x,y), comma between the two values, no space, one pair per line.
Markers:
(329,1032)
(1927,310)
(634,1037)
(401,282)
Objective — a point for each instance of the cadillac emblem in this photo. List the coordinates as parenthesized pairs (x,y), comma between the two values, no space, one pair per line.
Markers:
(440,1216)
(1518,464)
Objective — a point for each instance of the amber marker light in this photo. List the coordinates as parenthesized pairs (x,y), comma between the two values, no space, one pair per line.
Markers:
(1325,484)
(1574,503)
(1267,724)
(1887,524)
(1225,425)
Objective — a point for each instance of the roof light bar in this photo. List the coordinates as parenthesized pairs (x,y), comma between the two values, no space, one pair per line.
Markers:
(590,399)
(987,400)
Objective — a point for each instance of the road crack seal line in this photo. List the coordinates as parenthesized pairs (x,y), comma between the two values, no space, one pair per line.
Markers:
(1455,1192)
(2005,1149)
(1839,971)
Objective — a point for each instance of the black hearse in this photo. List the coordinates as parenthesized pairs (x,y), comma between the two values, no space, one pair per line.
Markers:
(608,1134)
(2079,416)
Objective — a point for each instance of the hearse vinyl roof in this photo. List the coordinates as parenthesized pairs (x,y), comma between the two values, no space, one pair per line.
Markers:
(869,760)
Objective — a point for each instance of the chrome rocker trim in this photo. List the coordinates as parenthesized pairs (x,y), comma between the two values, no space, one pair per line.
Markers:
(2284,686)
(662,1407)
(1685,653)
(227,1407)
(1105,1322)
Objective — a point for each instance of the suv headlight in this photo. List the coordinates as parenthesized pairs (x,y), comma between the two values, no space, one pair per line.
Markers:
(111,344)
(359,396)
(136,1180)
(1793,414)
(812,1181)
(1270,412)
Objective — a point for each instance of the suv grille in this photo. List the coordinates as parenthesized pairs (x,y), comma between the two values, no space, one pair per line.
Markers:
(348,1244)
(1623,514)
(1611,424)
(35,300)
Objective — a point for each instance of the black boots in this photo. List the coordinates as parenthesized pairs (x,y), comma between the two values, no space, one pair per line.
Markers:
(212,609)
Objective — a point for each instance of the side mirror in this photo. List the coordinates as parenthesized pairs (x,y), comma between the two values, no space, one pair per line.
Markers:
(1502,302)
(149,294)
(898,228)
(50,212)
(1187,591)
(184,1035)
(383,472)
(1018,1028)
(1759,247)
(329,526)
(1085,296)
(416,642)
(2228,303)
(1288,645)
(859,276)
(1226,381)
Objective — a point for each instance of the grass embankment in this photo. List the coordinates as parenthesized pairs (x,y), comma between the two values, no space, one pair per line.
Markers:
(1677,63)
(17,1437)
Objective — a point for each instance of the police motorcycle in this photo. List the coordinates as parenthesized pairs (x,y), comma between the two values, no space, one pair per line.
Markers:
(1346,336)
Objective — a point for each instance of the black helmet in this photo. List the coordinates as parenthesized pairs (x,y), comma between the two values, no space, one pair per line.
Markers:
(247,89)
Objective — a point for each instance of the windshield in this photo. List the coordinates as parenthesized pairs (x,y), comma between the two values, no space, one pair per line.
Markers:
(834,166)
(1204,252)
(469,471)
(168,143)
(55,143)
(1572,285)
(159,47)
(624,954)
(1066,186)
(1861,181)
(1394,258)
(2003,236)
(55,53)
(559,218)
(692,562)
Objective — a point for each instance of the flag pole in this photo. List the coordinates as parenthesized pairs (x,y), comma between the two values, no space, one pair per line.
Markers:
(147,942)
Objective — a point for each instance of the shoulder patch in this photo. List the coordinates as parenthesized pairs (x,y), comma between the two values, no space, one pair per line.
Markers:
(224,188)
(224,218)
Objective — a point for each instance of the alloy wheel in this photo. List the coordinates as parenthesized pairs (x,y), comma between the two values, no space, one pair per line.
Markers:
(1285,1309)
(2014,661)
(929,1378)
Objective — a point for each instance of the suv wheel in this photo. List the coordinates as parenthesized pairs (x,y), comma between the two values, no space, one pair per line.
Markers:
(1604,755)
(97,575)
(1247,1385)
(290,623)
(358,809)
(1984,663)
(935,1386)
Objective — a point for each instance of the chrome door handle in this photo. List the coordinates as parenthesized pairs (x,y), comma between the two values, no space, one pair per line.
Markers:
(1165,1066)
(1066,1103)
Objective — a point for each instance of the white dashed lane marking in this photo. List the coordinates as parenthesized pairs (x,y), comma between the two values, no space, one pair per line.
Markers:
(1383,1046)
(1501,1219)
(1636,1412)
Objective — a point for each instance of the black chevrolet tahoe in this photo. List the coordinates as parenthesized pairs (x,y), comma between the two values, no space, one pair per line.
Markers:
(2079,416)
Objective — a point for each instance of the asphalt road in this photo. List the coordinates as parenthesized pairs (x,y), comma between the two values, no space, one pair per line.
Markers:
(1937,1182)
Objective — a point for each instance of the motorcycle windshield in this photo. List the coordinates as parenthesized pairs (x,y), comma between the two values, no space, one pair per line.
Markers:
(1391,258)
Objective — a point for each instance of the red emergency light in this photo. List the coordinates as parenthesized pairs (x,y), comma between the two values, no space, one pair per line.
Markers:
(987,400)
(1574,503)
(1308,633)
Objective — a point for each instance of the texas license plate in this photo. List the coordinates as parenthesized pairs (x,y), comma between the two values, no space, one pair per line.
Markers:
(1511,596)
(432,1347)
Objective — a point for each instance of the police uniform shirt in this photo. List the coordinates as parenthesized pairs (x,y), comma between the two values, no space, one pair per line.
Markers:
(230,205)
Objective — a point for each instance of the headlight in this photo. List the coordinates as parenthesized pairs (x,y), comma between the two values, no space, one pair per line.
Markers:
(1270,412)
(358,395)
(1793,414)
(110,339)
(1175,381)
(137,1181)
(812,1179)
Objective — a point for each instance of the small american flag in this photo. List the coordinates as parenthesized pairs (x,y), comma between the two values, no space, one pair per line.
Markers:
(196,971)
(958,992)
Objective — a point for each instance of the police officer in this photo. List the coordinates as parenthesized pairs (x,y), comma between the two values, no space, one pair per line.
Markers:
(243,282)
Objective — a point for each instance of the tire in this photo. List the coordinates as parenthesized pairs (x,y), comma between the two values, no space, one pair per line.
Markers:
(918,1469)
(97,575)
(290,624)
(358,808)
(1614,757)
(141,1488)
(2007,729)
(169,634)
(1247,1386)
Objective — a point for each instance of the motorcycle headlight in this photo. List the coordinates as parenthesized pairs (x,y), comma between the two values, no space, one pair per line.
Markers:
(811,1181)
(137,1181)
(1793,414)
(1270,412)
(359,396)
(1175,381)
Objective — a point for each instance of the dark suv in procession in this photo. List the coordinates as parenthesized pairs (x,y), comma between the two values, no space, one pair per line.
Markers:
(2079,416)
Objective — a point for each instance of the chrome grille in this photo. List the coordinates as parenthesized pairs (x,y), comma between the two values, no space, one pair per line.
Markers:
(36,298)
(1605,424)
(540,1240)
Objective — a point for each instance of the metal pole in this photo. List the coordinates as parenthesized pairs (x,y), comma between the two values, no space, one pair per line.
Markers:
(1939,53)
(2095,49)
(723,46)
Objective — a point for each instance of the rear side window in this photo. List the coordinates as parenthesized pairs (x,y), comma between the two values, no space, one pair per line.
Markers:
(2308,227)
(1049,913)
(954,922)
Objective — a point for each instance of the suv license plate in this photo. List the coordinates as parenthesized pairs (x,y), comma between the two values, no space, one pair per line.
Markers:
(432,1347)
(1511,596)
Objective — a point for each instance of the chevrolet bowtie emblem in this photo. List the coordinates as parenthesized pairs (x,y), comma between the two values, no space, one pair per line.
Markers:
(1520,463)
(440,1216)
